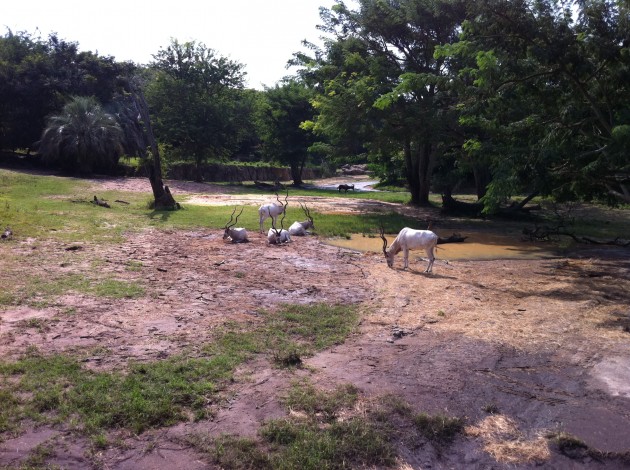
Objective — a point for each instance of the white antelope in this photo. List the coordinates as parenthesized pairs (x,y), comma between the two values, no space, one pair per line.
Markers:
(300,228)
(410,239)
(272,210)
(275,236)
(236,235)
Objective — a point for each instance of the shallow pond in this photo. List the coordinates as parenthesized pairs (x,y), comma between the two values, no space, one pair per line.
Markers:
(478,246)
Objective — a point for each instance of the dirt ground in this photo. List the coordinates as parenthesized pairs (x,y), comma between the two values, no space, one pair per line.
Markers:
(545,343)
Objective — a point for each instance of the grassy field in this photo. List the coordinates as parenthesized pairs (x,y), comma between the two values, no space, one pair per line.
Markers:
(61,208)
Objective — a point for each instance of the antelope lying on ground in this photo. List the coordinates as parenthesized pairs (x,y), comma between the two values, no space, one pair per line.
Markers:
(272,210)
(275,236)
(300,228)
(410,239)
(345,187)
(236,235)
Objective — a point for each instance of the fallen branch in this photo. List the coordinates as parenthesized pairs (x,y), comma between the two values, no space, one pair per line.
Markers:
(547,233)
(455,238)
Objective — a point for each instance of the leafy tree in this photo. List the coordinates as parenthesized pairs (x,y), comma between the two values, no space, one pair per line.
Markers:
(25,94)
(195,101)
(287,107)
(83,137)
(548,102)
(38,76)
(382,83)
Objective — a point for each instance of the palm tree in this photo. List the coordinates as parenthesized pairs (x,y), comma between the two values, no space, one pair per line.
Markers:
(82,138)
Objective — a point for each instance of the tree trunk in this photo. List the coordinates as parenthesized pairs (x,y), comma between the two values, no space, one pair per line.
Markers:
(163,199)
(482,176)
(198,176)
(424,173)
(296,173)
(411,169)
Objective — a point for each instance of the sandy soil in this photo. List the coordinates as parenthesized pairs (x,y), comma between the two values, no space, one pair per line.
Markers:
(544,342)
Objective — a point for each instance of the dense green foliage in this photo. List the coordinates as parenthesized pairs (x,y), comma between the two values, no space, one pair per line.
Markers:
(285,108)
(83,136)
(519,96)
(197,102)
(511,97)
(37,77)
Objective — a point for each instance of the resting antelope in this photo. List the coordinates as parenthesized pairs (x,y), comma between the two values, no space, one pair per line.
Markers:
(275,236)
(236,235)
(300,228)
(410,239)
(272,210)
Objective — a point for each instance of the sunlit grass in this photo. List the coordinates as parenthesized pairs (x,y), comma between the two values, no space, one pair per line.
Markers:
(60,208)
(159,393)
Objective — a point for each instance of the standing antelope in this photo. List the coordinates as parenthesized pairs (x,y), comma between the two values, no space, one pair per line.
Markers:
(272,210)
(410,239)
(236,235)
(300,228)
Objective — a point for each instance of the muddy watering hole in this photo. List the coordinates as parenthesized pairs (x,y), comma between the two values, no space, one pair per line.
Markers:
(478,246)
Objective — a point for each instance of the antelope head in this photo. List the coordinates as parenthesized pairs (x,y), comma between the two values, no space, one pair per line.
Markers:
(388,256)
(284,213)
(310,223)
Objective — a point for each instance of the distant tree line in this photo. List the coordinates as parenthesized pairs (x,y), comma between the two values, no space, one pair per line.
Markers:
(513,97)
(81,111)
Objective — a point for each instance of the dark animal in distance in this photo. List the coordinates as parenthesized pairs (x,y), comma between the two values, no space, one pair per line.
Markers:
(345,187)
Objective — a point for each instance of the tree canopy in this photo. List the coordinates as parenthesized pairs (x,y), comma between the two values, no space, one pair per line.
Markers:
(195,101)
(511,97)
(521,96)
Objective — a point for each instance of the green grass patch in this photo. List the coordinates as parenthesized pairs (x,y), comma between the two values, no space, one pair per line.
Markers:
(293,332)
(148,395)
(133,265)
(38,324)
(39,291)
(318,437)
(354,443)
(38,457)
(231,452)
(438,428)
(296,331)
(115,289)
(303,396)
(160,393)
(317,326)
(60,208)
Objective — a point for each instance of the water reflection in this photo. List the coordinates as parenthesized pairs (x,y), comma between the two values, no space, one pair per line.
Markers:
(478,246)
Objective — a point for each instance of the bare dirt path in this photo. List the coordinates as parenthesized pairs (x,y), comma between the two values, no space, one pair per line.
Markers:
(544,344)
